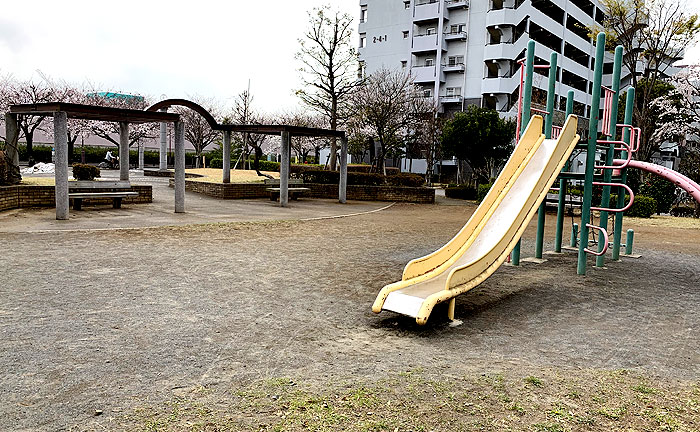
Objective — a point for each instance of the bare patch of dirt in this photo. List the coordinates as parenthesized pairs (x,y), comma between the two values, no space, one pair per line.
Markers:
(138,323)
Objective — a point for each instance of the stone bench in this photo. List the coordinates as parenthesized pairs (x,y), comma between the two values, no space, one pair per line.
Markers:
(293,192)
(117,191)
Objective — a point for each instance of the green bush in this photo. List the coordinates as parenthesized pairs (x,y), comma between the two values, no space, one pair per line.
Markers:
(663,191)
(296,170)
(85,172)
(643,206)
(333,177)
(482,190)
(405,179)
(464,192)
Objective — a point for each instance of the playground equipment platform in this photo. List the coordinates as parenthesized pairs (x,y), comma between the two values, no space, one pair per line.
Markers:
(491,233)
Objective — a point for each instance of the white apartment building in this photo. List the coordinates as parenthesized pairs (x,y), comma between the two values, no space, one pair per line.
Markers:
(465,52)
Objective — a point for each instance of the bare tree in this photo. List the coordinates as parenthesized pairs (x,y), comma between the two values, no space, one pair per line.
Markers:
(302,145)
(427,139)
(197,130)
(244,113)
(329,65)
(26,92)
(109,131)
(390,106)
(654,34)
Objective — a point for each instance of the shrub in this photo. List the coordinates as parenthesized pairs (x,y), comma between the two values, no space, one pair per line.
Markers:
(464,192)
(482,190)
(295,170)
(643,207)
(663,191)
(405,179)
(683,212)
(359,168)
(85,172)
(333,177)
(321,176)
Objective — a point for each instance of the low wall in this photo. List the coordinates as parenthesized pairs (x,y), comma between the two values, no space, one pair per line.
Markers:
(26,196)
(419,195)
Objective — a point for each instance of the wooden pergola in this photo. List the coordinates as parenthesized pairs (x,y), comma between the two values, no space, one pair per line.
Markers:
(61,112)
(285,131)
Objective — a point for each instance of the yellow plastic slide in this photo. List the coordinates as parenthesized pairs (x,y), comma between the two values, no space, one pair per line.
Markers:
(482,245)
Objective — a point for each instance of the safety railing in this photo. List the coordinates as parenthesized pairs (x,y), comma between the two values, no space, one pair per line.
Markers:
(615,210)
(606,239)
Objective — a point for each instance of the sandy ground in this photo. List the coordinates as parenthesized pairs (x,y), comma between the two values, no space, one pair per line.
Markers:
(113,320)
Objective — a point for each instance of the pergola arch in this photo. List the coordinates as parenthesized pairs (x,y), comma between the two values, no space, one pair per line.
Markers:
(164,104)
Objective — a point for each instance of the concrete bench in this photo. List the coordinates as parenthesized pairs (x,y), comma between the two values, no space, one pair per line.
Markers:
(294,192)
(78,195)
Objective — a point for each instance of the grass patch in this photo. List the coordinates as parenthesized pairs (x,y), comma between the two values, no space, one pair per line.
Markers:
(534,381)
(216,175)
(418,401)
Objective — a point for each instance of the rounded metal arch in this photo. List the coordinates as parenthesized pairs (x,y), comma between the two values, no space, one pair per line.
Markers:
(188,104)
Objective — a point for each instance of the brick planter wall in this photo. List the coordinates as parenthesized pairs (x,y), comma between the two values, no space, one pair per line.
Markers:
(25,196)
(419,195)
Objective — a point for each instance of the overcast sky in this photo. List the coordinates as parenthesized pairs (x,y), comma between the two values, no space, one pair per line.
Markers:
(203,47)
(178,49)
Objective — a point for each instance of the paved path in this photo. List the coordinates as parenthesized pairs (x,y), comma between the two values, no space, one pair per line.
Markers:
(200,209)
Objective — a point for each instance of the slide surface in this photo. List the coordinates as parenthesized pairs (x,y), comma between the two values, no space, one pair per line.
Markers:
(484,243)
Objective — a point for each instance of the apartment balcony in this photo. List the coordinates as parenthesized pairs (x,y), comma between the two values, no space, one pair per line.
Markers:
(455,67)
(458,36)
(456,4)
(500,84)
(425,43)
(426,74)
(427,10)
(451,99)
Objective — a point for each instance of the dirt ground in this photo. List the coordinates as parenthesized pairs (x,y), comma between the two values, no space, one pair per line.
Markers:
(267,326)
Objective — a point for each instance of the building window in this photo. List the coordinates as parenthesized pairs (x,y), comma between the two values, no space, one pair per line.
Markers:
(429,62)
(453,91)
(363,14)
(363,40)
(407,5)
(404,63)
(455,60)
(431,31)
(361,69)
(405,35)
(427,92)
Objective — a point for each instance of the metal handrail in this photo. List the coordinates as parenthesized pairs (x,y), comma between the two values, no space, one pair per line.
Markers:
(635,135)
(627,148)
(604,233)
(612,210)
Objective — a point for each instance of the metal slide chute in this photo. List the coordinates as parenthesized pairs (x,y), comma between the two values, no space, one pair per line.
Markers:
(488,237)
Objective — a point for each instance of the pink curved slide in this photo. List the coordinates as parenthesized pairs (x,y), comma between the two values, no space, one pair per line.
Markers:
(677,178)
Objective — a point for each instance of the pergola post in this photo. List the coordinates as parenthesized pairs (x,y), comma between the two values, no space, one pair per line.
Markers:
(11,152)
(343,185)
(163,166)
(227,157)
(179,167)
(124,151)
(284,168)
(141,155)
(60,142)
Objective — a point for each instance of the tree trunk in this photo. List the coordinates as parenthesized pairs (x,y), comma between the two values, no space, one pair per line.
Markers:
(256,163)
(30,146)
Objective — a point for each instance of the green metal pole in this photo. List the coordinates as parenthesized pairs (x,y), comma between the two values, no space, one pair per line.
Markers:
(574,234)
(549,120)
(630,242)
(617,235)
(590,154)
(607,174)
(562,184)
(525,117)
